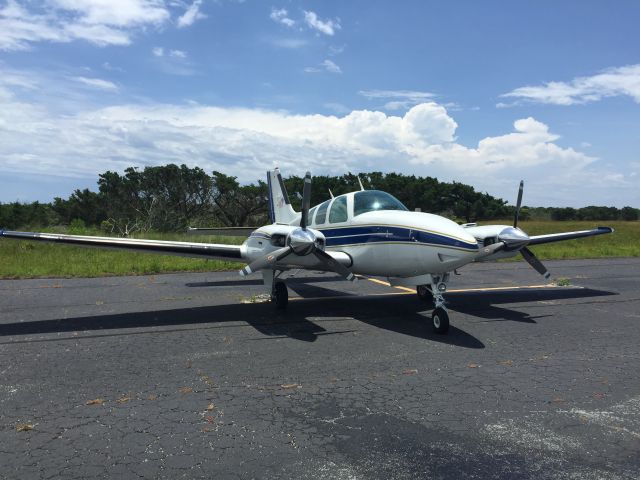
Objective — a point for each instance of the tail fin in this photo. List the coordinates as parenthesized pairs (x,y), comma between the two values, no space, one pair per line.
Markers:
(280,209)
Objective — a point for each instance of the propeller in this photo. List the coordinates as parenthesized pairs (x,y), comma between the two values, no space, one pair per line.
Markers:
(518,204)
(513,238)
(534,262)
(301,241)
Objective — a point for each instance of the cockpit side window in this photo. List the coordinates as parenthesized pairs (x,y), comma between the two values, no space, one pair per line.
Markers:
(338,212)
(322,213)
(311,212)
(371,200)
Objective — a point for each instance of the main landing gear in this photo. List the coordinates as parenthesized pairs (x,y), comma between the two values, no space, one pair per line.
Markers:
(439,317)
(276,288)
(280,295)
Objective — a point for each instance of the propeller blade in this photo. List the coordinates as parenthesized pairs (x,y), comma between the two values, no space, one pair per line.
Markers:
(490,250)
(518,204)
(306,200)
(334,266)
(266,262)
(534,262)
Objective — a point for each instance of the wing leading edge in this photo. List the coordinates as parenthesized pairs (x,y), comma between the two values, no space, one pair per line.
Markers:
(558,237)
(184,249)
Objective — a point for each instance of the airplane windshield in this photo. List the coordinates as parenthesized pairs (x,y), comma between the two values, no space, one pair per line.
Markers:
(370,200)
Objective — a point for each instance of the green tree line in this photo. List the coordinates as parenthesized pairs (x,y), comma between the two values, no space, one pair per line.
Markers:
(172,197)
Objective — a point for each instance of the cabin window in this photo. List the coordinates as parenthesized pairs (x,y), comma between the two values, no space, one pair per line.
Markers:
(322,213)
(338,212)
(371,200)
(310,216)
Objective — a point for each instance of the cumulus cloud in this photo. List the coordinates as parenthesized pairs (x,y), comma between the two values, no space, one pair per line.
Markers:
(243,141)
(102,22)
(621,81)
(192,14)
(280,15)
(327,27)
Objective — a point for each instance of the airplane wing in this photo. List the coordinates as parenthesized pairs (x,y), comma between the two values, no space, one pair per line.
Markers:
(184,249)
(223,231)
(557,237)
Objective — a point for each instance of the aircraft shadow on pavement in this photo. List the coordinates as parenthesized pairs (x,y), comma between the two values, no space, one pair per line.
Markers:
(402,314)
(240,282)
(484,304)
(395,313)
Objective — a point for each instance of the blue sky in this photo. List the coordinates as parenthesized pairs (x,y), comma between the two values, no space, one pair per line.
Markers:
(485,93)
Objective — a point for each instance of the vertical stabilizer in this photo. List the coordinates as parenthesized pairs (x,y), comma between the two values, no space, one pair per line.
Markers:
(280,209)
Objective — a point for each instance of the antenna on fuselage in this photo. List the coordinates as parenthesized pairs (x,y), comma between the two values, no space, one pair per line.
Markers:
(331,193)
(360,182)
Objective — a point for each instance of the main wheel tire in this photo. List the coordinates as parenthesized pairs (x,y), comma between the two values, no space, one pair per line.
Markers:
(440,320)
(424,293)
(280,295)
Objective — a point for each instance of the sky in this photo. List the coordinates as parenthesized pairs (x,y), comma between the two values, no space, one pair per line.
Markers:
(481,92)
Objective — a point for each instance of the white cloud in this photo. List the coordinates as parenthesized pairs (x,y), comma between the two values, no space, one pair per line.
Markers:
(117,13)
(398,99)
(621,81)
(97,83)
(331,67)
(102,22)
(325,66)
(328,27)
(37,139)
(178,53)
(173,62)
(191,15)
(280,15)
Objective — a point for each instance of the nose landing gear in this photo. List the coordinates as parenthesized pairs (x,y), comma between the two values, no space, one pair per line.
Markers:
(439,317)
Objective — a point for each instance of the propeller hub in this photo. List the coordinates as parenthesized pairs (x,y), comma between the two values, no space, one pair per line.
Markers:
(513,238)
(302,241)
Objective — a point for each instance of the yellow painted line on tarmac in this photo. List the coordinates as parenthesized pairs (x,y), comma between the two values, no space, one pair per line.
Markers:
(382,282)
(492,289)
(409,291)
(460,290)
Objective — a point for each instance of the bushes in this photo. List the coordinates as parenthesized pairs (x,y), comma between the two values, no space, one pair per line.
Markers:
(171,197)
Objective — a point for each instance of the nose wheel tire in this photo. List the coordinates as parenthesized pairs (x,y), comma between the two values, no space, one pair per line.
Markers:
(280,295)
(440,320)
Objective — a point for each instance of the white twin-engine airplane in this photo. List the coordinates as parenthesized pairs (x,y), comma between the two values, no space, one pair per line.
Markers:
(366,232)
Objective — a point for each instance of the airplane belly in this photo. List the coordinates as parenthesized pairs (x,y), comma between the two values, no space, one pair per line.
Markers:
(404,259)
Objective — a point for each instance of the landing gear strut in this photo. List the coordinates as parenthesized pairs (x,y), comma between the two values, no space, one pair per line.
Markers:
(280,295)
(439,317)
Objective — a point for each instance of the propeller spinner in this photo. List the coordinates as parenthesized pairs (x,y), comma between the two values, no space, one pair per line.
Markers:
(301,241)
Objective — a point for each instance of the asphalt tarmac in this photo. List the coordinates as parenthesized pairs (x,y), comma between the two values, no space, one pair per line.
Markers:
(191,376)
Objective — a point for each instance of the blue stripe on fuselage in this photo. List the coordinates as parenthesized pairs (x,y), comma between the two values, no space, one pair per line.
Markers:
(371,234)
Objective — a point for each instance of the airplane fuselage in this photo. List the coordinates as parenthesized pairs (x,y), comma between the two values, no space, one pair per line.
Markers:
(391,243)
